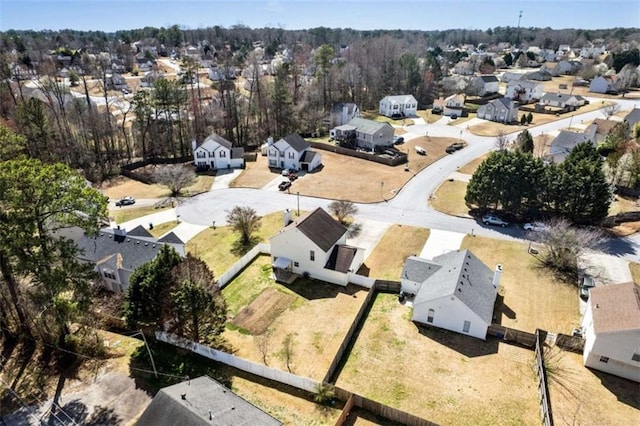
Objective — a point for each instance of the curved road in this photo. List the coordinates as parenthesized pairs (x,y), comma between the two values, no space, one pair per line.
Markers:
(410,206)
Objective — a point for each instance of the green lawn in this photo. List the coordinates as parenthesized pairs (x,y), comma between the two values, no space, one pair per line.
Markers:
(126,214)
(162,228)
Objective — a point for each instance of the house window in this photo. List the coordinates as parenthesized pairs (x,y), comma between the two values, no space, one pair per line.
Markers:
(430,315)
(109,275)
(223,154)
(312,255)
(296,264)
(291,155)
(635,357)
(212,154)
(466,326)
(604,359)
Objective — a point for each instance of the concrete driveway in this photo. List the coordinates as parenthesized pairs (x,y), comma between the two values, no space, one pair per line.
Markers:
(368,234)
(441,242)
(224,178)
(605,269)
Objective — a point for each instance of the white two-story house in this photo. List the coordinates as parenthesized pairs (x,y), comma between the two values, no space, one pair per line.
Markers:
(315,245)
(398,106)
(217,153)
(292,152)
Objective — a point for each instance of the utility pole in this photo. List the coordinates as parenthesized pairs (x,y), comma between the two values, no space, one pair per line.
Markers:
(518,30)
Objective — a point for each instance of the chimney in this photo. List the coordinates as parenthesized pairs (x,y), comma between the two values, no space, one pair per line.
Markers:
(286,218)
(194,145)
(496,276)
(270,140)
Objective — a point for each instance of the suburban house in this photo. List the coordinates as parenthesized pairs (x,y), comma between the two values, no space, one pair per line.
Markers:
(454,291)
(217,153)
(150,78)
(463,68)
(115,82)
(116,253)
(562,100)
(314,245)
(564,143)
(342,113)
(483,85)
(398,106)
(600,129)
(632,118)
(540,75)
(512,76)
(202,402)
(603,84)
(502,110)
(363,133)
(524,91)
(452,106)
(611,328)
(292,152)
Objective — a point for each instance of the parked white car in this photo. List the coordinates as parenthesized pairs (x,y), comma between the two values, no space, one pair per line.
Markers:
(494,220)
(535,227)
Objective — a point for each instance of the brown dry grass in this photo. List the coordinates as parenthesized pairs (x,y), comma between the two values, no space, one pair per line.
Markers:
(128,213)
(635,272)
(533,298)
(315,341)
(583,396)
(461,120)
(491,128)
(441,376)
(123,186)
(162,228)
(428,116)
(399,242)
(364,176)
(471,167)
(449,198)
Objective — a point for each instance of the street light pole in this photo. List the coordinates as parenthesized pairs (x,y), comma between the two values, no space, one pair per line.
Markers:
(298,193)
(381,186)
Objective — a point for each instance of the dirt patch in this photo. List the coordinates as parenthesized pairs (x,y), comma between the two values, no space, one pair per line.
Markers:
(259,315)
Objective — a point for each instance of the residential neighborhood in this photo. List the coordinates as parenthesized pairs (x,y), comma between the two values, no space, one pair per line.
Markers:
(237,225)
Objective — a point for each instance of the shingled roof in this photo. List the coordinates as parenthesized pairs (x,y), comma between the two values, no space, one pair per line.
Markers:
(615,307)
(202,402)
(460,274)
(320,228)
(341,258)
(369,127)
(296,142)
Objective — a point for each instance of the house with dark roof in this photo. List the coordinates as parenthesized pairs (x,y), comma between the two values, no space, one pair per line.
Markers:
(564,143)
(561,100)
(342,113)
(454,291)
(364,133)
(116,253)
(315,245)
(502,110)
(292,152)
(524,91)
(202,402)
(611,329)
(217,153)
(632,118)
(483,85)
(398,106)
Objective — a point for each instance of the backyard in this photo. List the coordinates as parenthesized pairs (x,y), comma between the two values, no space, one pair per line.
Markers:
(441,376)
(368,181)
(263,313)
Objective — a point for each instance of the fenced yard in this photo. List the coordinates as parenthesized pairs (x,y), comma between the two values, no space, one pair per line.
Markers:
(438,375)
(263,313)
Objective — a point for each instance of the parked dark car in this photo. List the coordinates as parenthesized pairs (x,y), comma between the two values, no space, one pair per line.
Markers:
(284,185)
(398,140)
(126,201)
(292,176)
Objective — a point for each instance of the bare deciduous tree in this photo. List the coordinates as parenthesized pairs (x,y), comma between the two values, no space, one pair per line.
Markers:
(610,110)
(564,243)
(342,209)
(175,177)
(502,141)
(263,342)
(244,220)
(287,350)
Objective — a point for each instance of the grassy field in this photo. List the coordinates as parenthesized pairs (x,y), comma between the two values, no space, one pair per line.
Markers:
(162,228)
(399,242)
(444,377)
(449,198)
(533,298)
(491,128)
(373,115)
(126,214)
(123,186)
(214,246)
(461,120)
(314,342)
(635,271)
(471,167)
(364,176)
(427,116)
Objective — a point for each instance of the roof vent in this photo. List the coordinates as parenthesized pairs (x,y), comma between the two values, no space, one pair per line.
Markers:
(183,395)
(146,244)
(137,242)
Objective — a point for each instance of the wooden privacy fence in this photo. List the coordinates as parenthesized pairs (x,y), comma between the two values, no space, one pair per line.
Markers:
(400,158)
(274,374)
(260,248)
(378,409)
(512,335)
(541,372)
(570,343)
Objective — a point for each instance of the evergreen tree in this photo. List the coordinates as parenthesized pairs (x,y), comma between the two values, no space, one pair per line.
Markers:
(524,141)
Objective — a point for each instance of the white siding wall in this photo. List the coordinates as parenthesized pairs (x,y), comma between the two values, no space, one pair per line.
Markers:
(450,315)
(409,286)
(294,245)
(618,347)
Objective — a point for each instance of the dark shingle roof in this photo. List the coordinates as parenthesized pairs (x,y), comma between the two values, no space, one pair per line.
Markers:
(489,78)
(139,231)
(307,157)
(205,402)
(219,139)
(237,152)
(321,228)
(296,142)
(633,117)
(463,275)
(171,238)
(341,258)
(506,102)
(418,269)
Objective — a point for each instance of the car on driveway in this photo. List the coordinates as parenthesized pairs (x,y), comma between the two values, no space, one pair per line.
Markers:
(494,220)
(287,172)
(535,227)
(585,284)
(125,201)
(284,185)
(398,140)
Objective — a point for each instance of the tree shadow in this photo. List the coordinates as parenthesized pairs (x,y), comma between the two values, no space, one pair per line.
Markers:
(240,249)
(465,345)
(619,247)
(74,411)
(26,351)
(8,346)
(312,289)
(354,230)
(102,416)
(626,391)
